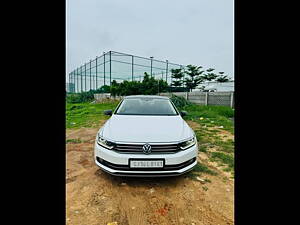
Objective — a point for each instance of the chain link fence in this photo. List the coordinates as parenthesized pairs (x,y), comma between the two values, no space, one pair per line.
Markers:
(117,66)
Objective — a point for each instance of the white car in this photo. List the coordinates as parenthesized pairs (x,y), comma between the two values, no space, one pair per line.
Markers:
(146,136)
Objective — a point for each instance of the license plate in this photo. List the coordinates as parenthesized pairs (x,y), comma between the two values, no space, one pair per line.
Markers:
(146,164)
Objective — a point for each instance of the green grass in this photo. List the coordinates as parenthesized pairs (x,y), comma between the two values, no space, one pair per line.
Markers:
(198,169)
(204,188)
(219,118)
(225,146)
(223,158)
(207,180)
(76,141)
(212,115)
(203,148)
(203,169)
(87,114)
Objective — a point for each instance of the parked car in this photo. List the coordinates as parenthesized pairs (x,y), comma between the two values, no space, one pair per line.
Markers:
(146,136)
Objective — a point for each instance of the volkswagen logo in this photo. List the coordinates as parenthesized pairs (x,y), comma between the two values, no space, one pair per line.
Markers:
(147,149)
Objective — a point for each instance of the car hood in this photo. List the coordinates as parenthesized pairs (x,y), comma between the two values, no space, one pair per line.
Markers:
(129,128)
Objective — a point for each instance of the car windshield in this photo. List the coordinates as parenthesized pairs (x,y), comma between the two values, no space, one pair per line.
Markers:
(146,106)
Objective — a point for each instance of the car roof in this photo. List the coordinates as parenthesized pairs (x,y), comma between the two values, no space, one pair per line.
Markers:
(146,96)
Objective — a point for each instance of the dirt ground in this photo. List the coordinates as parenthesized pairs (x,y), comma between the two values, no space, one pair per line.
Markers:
(96,198)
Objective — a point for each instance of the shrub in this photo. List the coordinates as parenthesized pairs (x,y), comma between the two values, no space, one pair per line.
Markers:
(179,101)
(86,96)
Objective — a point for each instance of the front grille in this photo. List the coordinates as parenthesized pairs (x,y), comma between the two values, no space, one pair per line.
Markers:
(138,148)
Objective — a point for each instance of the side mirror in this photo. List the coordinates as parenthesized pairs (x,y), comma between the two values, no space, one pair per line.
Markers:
(183,113)
(108,112)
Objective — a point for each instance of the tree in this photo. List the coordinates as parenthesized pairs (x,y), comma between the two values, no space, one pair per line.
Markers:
(177,74)
(194,79)
(103,89)
(149,86)
(210,70)
(210,76)
(222,78)
(114,89)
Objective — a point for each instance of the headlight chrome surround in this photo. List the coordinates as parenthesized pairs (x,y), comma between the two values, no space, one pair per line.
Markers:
(187,144)
(104,143)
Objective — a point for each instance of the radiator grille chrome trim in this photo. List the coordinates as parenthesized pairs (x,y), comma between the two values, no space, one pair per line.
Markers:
(138,148)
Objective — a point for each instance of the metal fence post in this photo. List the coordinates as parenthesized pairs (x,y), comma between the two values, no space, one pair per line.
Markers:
(231,99)
(167,71)
(104,66)
(76,72)
(181,67)
(81,79)
(90,75)
(96,72)
(76,75)
(151,61)
(74,78)
(132,67)
(110,68)
(206,98)
(85,77)
(69,83)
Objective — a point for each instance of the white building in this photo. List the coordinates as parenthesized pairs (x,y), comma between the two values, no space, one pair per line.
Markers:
(214,86)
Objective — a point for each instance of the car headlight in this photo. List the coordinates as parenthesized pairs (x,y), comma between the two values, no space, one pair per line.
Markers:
(187,144)
(104,143)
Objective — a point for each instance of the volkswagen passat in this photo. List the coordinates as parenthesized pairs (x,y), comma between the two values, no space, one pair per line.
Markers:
(146,136)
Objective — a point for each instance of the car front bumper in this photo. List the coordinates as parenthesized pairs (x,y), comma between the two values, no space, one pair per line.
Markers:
(118,163)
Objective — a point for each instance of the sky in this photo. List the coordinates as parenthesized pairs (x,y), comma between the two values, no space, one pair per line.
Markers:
(198,32)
